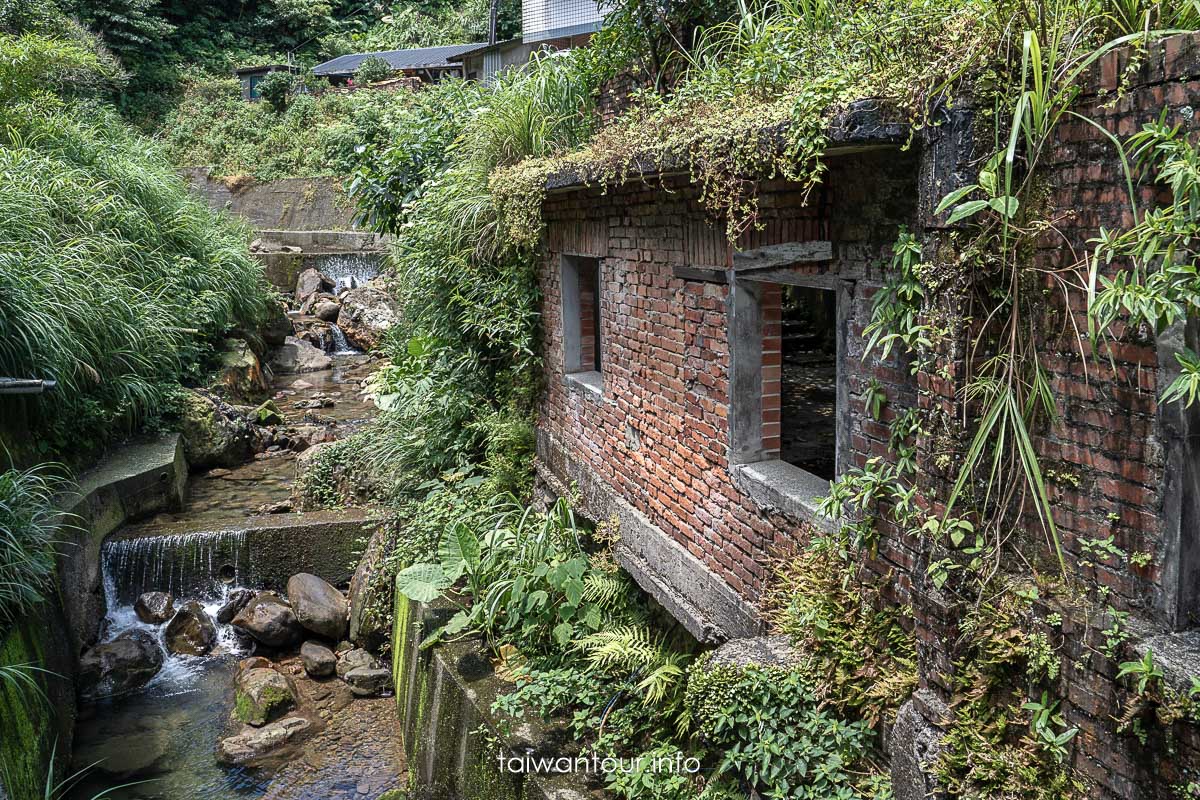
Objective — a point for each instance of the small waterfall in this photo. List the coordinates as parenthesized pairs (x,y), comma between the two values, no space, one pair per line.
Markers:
(351,270)
(196,566)
(340,344)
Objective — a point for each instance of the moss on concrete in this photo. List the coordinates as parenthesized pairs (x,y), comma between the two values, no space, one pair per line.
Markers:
(29,727)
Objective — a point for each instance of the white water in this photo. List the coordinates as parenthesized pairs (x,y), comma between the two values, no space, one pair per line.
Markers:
(351,270)
(341,346)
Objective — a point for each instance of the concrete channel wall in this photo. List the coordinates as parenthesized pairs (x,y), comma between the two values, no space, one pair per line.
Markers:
(137,480)
(456,746)
(305,204)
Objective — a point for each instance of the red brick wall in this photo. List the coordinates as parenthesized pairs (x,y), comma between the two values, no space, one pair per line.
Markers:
(659,436)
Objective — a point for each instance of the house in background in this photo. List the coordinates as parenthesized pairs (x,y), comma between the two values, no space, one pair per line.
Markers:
(429,64)
(251,77)
(545,25)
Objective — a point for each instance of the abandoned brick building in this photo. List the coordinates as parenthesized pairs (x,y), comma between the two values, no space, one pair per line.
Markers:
(704,394)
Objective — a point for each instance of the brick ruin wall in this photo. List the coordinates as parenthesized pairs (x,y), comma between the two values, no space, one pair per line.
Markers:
(659,434)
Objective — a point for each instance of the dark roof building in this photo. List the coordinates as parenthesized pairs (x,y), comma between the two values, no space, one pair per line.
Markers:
(251,77)
(427,62)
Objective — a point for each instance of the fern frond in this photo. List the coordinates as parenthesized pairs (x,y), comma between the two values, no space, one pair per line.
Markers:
(630,647)
(604,588)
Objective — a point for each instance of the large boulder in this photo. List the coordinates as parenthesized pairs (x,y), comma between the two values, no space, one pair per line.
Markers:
(241,375)
(269,620)
(254,744)
(214,433)
(297,355)
(191,631)
(262,694)
(318,606)
(235,601)
(368,681)
(127,662)
(367,313)
(154,608)
(327,309)
(355,659)
(318,660)
(276,329)
(311,282)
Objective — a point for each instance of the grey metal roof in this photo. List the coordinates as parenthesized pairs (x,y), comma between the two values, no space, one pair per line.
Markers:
(415,58)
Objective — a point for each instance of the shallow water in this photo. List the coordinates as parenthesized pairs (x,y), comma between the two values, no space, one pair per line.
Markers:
(166,732)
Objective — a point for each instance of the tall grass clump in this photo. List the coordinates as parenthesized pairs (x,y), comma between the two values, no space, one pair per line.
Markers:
(461,389)
(114,281)
(28,522)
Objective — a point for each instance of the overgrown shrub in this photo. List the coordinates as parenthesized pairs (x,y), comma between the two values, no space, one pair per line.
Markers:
(372,70)
(276,89)
(114,280)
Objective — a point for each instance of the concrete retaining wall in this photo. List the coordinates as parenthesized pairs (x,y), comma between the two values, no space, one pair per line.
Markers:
(290,203)
(454,743)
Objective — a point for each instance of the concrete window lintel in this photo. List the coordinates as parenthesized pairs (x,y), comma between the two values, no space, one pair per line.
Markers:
(587,382)
(793,491)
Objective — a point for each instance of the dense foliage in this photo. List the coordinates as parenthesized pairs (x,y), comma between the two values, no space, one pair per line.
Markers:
(114,281)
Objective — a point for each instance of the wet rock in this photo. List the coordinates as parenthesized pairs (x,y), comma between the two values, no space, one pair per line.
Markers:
(241,375)
(301,385)
(367,313)
(154,608)
(297,355)
(262,694)
(214,433)
(369,682)
(127,662)
(234,602)
(256,743)
(269,620)
(268,414)
(191,631)
(276,330)
(278,507)
(310,282)
(254,662)
(343,647)
(319,661)
(355,659)
(327,310)
(318,606)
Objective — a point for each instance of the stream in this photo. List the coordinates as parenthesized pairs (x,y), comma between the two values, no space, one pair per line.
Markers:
(162,737)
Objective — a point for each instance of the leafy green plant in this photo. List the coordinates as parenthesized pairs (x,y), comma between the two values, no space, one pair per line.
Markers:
(525,578)
(29,526)
(1049,728)
(276,89)
(774,739)
(372,70)
(1143,671)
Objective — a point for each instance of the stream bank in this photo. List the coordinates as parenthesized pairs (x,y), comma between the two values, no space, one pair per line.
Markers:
(163,698)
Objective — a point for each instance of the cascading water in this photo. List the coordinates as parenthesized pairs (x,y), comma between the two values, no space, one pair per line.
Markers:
(341,345)
(351,270)
(198,565)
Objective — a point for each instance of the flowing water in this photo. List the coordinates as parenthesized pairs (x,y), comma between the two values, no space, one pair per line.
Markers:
(350,270)
(164,734)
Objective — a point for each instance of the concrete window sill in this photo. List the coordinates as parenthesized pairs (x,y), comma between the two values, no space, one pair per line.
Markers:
(787,488)
(588,382)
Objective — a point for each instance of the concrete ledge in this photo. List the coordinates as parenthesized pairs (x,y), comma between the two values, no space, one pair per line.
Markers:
(135,481)
(265,551)
(779,486)
(693,593)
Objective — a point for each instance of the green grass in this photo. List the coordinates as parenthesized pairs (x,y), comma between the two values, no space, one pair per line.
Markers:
(114,281)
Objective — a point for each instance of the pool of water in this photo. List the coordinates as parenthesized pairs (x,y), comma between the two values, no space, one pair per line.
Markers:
(162,738)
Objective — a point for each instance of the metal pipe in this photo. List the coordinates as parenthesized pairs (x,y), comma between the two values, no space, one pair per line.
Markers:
(26,385)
